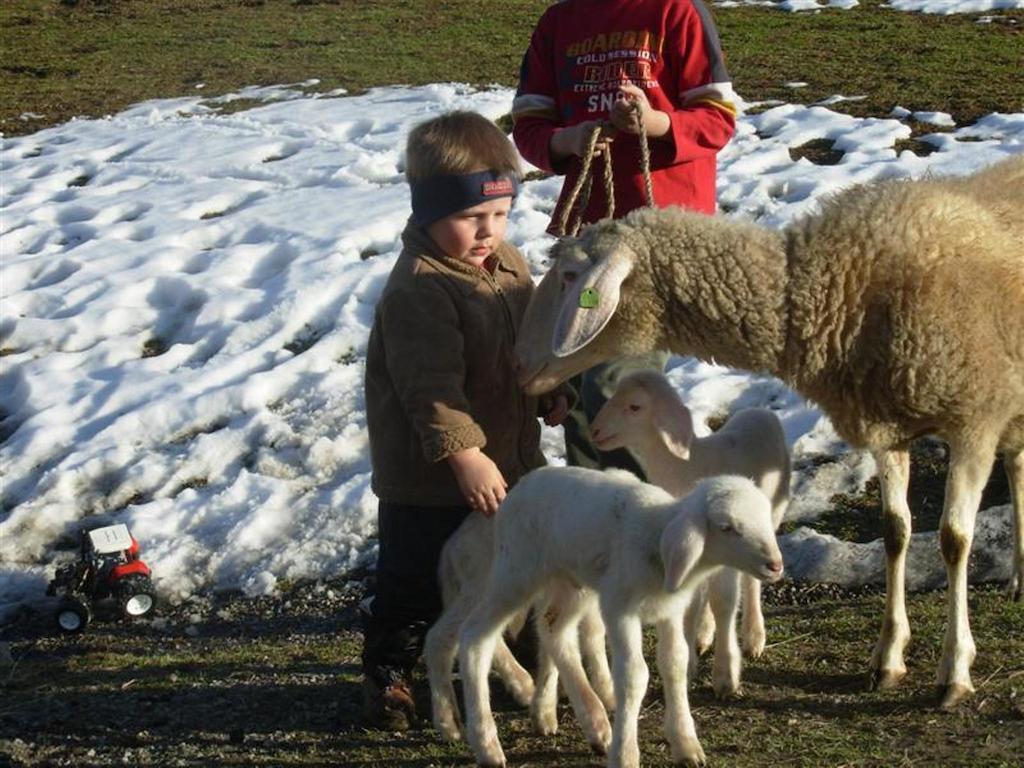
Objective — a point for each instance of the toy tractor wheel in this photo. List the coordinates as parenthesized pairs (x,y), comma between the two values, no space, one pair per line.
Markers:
(73,614)
(135,596)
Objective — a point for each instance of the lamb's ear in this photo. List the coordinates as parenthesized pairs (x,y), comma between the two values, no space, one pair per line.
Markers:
(682,544)
(674,424)
(589,303)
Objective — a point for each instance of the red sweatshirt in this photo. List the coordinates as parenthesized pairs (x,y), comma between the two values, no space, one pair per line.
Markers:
(582,50)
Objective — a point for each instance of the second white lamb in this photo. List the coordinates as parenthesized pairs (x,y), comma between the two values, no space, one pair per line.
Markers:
(647,416)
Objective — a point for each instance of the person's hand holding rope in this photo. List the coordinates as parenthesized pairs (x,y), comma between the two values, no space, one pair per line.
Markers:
(574,139)
(634,114)
(587,140)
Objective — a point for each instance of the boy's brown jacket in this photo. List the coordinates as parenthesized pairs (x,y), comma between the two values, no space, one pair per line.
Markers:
(440,373)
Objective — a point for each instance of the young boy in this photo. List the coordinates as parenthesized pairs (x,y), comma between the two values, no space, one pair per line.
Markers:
(450,430)
(591,63)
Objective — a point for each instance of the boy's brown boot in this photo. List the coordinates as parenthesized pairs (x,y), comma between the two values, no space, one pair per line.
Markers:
(387,701)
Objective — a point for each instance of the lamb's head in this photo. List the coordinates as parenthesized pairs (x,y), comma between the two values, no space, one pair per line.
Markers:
(726,521)
(645,406)
(585,309)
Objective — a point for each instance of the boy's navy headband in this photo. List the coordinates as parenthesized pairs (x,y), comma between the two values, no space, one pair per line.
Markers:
(440,196)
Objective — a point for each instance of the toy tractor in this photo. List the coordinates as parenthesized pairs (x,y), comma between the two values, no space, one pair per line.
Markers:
(108,568)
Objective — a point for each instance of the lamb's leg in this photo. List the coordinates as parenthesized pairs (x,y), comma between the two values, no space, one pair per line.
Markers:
(724,597)
(679,727)
(969,468)
(477,638)
(887,667)
(693,621)
(630,674)
(752,637)
(595,654)
(544,707)
(559,634)
(517,681)
(1014,465)
(439,651)
(705,635)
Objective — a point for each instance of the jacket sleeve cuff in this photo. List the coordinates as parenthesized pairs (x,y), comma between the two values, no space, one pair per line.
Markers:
(441,445)
(567,389)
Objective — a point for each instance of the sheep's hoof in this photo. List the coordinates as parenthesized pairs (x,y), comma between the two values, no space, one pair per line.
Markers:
(601,738)
(753,651)
(886,679)
(448,732)
(491,762)
(522,693)
(545,723)
(953,694)
(690,754)
(1015,589)
(729,693)
(753,644)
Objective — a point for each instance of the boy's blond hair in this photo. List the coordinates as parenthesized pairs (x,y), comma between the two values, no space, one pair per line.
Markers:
(457,143)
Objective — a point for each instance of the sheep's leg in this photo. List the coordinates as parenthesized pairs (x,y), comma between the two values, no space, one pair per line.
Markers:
(705,636)
(517,681)
(693,621)
(752,632)
(439,651)
(595,654)
(630,674)
(679,727)
(544,707)
(478,638)
(969,469)
(887,667)
(559,632)
(724,598)
(1014,465)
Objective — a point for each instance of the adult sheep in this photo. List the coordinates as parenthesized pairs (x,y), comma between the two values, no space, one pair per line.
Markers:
(897,309)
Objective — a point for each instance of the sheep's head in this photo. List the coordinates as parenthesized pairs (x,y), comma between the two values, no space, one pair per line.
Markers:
(732,528)
(741,533)
(644,406)
(575,319)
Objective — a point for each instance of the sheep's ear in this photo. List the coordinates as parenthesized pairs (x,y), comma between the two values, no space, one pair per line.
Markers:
(589,303)
(674,425)
(682,544)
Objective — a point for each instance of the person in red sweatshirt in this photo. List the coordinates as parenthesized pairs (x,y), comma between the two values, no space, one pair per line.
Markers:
(610,64)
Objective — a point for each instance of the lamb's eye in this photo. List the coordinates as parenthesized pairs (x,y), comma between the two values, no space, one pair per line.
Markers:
(727,528)
(568,278)
(634,408)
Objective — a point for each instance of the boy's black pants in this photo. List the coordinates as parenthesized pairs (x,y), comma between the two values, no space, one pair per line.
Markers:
(407,595)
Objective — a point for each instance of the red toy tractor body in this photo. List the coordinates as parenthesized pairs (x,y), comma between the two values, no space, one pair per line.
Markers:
(108,567)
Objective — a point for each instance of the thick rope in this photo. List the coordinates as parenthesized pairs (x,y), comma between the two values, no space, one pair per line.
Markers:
(580,193)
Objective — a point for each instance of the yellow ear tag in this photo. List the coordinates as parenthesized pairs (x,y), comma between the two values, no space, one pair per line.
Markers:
(588,298)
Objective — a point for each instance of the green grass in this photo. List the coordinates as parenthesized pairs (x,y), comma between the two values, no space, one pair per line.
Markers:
(287,693)
(62,58)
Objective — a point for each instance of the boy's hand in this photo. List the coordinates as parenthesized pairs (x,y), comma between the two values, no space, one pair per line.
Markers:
(479,479)
(573,140)
(624,117)
(556,415)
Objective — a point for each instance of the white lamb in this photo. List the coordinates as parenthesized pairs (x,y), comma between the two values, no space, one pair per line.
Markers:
(643,553)
(896,309)
(647,416)
(464,566)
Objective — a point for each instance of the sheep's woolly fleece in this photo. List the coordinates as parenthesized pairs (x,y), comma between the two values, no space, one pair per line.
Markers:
(186,298)
(940,7)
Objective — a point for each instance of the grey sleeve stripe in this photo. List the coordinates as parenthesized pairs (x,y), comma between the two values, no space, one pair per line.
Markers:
(719,74)
(718,91)
(530,102)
